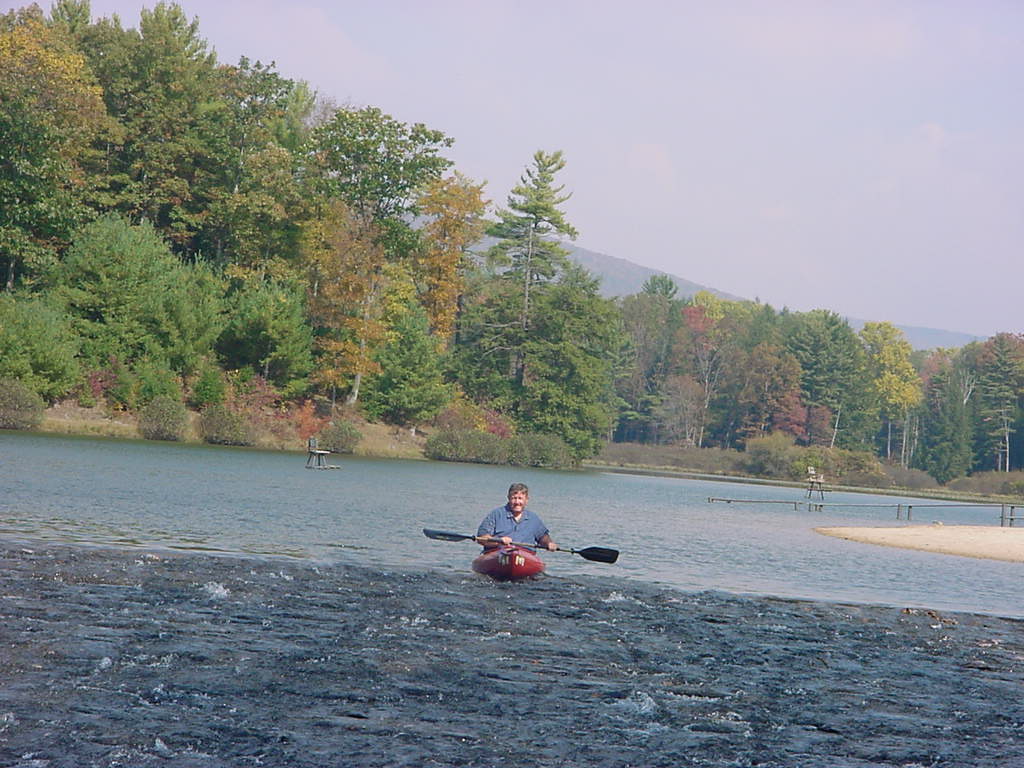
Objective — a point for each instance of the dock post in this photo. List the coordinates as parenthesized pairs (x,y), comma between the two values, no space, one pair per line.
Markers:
(899,511)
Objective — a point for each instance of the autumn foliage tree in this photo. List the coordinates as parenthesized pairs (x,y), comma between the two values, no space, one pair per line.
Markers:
(345,260)
(51,109)
(453,208)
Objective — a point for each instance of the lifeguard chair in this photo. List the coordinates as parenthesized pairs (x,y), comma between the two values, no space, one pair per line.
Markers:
(315,459)
(815,482)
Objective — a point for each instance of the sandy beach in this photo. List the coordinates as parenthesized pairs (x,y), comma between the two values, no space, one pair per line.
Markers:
(965,540)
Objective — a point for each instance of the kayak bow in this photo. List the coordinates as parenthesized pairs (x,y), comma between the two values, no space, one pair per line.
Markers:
(508,563)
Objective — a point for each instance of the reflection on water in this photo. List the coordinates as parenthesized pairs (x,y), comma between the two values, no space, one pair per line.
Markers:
(134,493)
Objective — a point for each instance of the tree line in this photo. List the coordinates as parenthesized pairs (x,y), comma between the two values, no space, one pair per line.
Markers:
(218,234)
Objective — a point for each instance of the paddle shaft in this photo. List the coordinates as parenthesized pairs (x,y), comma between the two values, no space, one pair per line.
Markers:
(598,554)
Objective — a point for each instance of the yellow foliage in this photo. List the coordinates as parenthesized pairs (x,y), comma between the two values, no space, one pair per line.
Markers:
(454,207)
(347,270)
(41,71)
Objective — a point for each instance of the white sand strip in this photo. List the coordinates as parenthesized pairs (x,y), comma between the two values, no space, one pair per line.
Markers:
(967,540)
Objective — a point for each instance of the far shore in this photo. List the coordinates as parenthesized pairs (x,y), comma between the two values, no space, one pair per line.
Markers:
(988,542)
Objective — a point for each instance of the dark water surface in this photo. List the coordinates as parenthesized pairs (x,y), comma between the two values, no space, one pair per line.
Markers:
(165,605)
(113,657)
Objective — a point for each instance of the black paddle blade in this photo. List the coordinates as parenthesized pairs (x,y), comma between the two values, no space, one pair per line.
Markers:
(600,554)
(445,536)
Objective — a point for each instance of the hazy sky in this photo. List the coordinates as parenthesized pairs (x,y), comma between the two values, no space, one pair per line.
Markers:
(865,157)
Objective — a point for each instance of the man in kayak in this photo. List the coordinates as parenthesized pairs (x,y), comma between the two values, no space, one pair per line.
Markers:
(513,522)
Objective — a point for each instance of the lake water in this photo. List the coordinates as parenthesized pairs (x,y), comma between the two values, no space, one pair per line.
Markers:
(370,513)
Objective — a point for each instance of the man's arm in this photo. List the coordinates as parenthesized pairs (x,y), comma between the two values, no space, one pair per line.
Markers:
(547,541)
(485,533)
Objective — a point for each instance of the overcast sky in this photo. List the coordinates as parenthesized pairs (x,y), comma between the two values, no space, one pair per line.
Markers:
(865,157)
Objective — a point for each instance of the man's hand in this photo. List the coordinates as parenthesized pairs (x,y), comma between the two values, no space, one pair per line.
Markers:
(489,539)
(552,546)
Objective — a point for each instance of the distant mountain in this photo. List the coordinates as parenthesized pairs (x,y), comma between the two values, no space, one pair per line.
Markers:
(620,277)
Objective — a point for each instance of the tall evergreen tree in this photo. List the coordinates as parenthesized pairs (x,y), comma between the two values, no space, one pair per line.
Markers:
(527,250)
(410,388)
(1001,390)
(833,376)
(945,427)
(570,389)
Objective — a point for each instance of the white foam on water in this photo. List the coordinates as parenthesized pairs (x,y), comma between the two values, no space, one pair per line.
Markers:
(618,597)
(499,636)
(638,703)
(215,590)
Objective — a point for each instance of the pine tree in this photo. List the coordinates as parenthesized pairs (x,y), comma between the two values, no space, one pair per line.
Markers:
(526,248)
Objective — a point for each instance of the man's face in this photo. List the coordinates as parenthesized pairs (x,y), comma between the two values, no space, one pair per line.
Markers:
(516,501)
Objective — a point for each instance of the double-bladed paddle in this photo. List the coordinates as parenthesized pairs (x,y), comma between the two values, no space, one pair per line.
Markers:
(598,554)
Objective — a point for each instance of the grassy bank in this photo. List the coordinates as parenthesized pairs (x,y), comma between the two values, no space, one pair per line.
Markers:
(378,440)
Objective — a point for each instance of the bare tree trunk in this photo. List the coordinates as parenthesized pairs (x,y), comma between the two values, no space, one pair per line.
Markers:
(835,429)
(353,394)
(524,318)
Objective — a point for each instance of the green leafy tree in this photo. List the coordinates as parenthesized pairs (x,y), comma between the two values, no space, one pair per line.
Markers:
(660,285)
(256,200)
(650,322)
(159,83)
(410,389)
(37,347)
(50,108)
(575,336)
(267,333)
(895,383)
(378,167)
(130,298)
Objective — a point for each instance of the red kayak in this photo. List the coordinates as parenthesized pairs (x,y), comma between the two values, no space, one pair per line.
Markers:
(508,563)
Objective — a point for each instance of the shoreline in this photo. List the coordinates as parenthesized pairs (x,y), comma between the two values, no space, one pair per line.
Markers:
(978,541)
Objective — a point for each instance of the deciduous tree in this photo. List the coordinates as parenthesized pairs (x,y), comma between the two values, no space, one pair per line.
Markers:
(50,108)
(895,383)
(454,209)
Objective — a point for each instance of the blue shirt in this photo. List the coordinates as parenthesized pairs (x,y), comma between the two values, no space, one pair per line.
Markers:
(499,522)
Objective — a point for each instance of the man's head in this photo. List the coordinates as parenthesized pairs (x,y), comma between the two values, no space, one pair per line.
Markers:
(518,495)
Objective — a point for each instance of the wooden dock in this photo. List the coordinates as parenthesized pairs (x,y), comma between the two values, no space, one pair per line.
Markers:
(1008,513)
